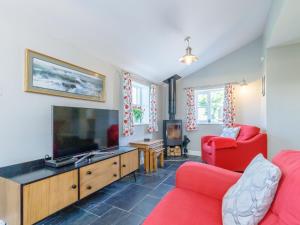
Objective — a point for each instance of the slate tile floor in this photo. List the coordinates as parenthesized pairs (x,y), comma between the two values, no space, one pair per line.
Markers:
(124,202)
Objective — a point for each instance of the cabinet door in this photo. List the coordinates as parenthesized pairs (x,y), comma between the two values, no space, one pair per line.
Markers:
(35,201)
(42,198)
(98,175)
(63,191)
(129,162)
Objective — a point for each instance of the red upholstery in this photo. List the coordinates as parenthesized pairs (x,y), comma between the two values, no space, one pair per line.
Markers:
(221,142)
(286,206)
(234,154)
(197,197)
(247,132)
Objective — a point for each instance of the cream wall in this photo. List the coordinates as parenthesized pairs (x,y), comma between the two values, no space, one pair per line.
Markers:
(243,63)
(283,94)
(25,118)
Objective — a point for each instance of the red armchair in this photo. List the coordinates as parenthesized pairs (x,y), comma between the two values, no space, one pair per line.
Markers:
(197,196)
(233,154)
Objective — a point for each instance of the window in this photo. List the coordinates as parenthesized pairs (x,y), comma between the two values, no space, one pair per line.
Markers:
(140,103)
(209,105)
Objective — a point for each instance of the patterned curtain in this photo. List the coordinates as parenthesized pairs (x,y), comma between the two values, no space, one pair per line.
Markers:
(127,105)
(190,110)
(229,108)
(153,127)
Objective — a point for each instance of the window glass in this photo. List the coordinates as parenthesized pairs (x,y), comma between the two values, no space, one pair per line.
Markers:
(140,103)
(209,105)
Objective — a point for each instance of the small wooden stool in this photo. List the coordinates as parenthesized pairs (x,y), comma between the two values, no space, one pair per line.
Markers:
(148,147)
(157,153)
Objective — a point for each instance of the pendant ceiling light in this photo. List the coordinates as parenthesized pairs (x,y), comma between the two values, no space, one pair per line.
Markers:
(188,58)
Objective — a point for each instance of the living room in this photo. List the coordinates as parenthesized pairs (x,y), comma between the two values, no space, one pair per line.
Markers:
(150,113)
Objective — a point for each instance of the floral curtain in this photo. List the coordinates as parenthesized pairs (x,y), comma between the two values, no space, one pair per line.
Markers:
(190,110)
(229,108)
(127,105)
(153,127)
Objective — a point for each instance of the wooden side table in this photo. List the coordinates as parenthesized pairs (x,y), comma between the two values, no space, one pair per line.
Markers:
(148,148)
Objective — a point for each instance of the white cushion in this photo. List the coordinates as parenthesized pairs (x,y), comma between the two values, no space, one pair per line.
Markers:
(230,132)
(248,201)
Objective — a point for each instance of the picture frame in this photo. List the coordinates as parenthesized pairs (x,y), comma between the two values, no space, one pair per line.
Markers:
(47,75)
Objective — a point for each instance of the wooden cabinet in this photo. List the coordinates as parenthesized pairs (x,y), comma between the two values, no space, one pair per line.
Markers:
(43,198)
(98,175)
(129,162)
(30,202)
(36,201)
(63,191)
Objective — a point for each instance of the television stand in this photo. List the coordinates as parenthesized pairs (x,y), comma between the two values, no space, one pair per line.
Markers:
(31,192)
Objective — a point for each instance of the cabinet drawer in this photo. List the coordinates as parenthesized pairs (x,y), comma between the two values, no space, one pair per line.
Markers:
(129,162)
(98,175)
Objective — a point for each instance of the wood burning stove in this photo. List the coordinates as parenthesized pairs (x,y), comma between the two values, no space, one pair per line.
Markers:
(172,128)
(172,133)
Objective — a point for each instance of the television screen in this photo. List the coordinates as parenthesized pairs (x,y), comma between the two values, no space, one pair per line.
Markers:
(80,130)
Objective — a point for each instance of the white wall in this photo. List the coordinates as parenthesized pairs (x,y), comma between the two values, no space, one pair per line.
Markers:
(283,94)
(25,118)
(244,63)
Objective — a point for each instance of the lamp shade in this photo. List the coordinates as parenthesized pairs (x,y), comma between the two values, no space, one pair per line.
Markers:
(188,58)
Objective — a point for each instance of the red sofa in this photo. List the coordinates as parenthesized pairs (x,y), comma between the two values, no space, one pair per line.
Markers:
(233,154)
(197,196)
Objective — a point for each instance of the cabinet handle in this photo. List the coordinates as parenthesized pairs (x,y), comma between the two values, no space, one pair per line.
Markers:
(115,163)
(89,172)
(89,187)
(124,165)
(115,175)
(74,186)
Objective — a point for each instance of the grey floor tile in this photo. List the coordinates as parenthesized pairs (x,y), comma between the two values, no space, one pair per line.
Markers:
(70,216)
(127,198)
(151,181)
(100,209)
(144,207)
(116,186)
(174,166)
(161,190)
(131,219)
(170,180)
(93,200)
(112,217)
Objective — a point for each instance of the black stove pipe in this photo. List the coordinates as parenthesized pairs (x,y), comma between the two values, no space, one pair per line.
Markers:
(172,95)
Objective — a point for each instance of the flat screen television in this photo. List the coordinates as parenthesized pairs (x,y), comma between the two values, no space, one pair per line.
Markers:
(82,130)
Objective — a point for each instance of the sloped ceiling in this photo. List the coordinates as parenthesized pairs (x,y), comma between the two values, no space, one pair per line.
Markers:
(145,37)
(284,24)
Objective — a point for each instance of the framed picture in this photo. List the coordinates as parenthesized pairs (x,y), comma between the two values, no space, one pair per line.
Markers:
(47,75)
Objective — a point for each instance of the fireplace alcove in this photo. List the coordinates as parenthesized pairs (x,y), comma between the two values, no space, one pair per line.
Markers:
(172,128)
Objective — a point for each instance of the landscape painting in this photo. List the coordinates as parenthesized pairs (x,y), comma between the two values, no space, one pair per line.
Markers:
(47,75)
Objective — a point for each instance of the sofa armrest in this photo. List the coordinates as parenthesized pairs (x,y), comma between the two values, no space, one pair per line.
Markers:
(256,138)
(205,139)
(222,142)
(206,179)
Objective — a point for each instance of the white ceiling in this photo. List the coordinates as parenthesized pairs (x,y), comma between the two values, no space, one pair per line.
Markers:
(146,36)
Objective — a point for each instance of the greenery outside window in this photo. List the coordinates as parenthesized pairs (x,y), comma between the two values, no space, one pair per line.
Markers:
(209,106)
(140,103)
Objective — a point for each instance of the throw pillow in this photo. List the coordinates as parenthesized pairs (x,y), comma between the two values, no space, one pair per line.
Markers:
(230,132)
(247,201)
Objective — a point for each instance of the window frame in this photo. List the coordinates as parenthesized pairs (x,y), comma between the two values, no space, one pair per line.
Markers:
(207,91)
(140,86)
